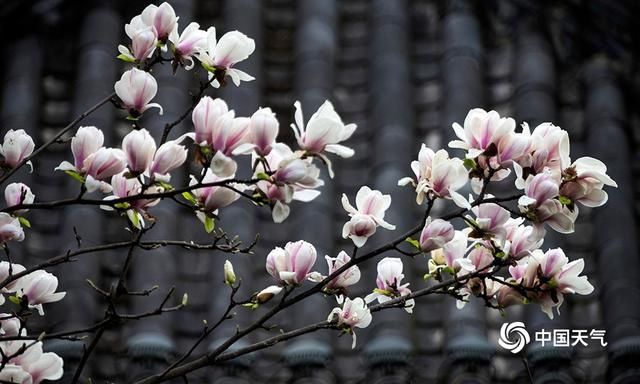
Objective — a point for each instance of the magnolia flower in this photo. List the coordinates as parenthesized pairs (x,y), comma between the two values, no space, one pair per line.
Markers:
(296,171)
(205,116)
(359,228)
(323,132)
(124,187)
(584,181)
(17,146)
(540,205)
(6,270)
(191,41)
(220,57)
(168,157)
(135,89)
(213,198)
(550,147)
(521,239)
(139,148)
(557,215)
(292,264)
(507,296)
(435,234)
(354,313)
(512,147)
(561,276)
(92,160)
(12,373)
(482,131)
(86,141)
(538,189)
(294,179)
(100,165)
(389,282)
(18,193)
(490,220)
(453,254)
(39,287)
(39,365)
(263,130)
(347,278)
(228,133)
(436,173)
(143,44)
(481,257)
(10,228)
(162,18)
(371,206)
(9,325)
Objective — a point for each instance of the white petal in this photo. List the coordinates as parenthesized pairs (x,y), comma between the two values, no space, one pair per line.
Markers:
(459,200)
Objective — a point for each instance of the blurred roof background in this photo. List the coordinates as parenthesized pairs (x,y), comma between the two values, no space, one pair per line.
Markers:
(403,71)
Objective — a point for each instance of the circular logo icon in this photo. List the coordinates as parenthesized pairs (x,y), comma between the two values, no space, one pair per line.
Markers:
(513,336)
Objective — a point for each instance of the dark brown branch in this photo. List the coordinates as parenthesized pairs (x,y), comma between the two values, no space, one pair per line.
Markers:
(127,199)
(57,137)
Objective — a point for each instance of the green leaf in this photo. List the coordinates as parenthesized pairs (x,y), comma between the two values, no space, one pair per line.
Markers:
(126,58)
(131,118)
(190,198)
(15,299)
(75,175)
(382,292)
(123,205)
(413,242)
(209,224)
(565,200)
(469,163)
(251,305)
(427,277)
(24,222)
(166,186)
(208,67)
(262,176)
(135,219)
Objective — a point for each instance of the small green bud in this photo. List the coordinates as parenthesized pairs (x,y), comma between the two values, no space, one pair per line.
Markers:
(229,274)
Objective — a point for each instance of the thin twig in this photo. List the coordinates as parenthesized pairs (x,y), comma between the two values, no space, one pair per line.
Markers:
(58,136)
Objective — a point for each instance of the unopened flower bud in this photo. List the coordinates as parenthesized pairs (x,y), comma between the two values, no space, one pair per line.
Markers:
(268,293)
(229,274)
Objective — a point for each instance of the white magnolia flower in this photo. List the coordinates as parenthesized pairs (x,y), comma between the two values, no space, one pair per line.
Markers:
(439,175)
(323,132)
(371,207)
(353,314)
(220,56)
(389,283)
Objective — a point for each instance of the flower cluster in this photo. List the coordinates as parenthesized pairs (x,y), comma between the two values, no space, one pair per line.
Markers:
(158,27)
(281,174)
(499,233)
(27,363)
(138,168)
